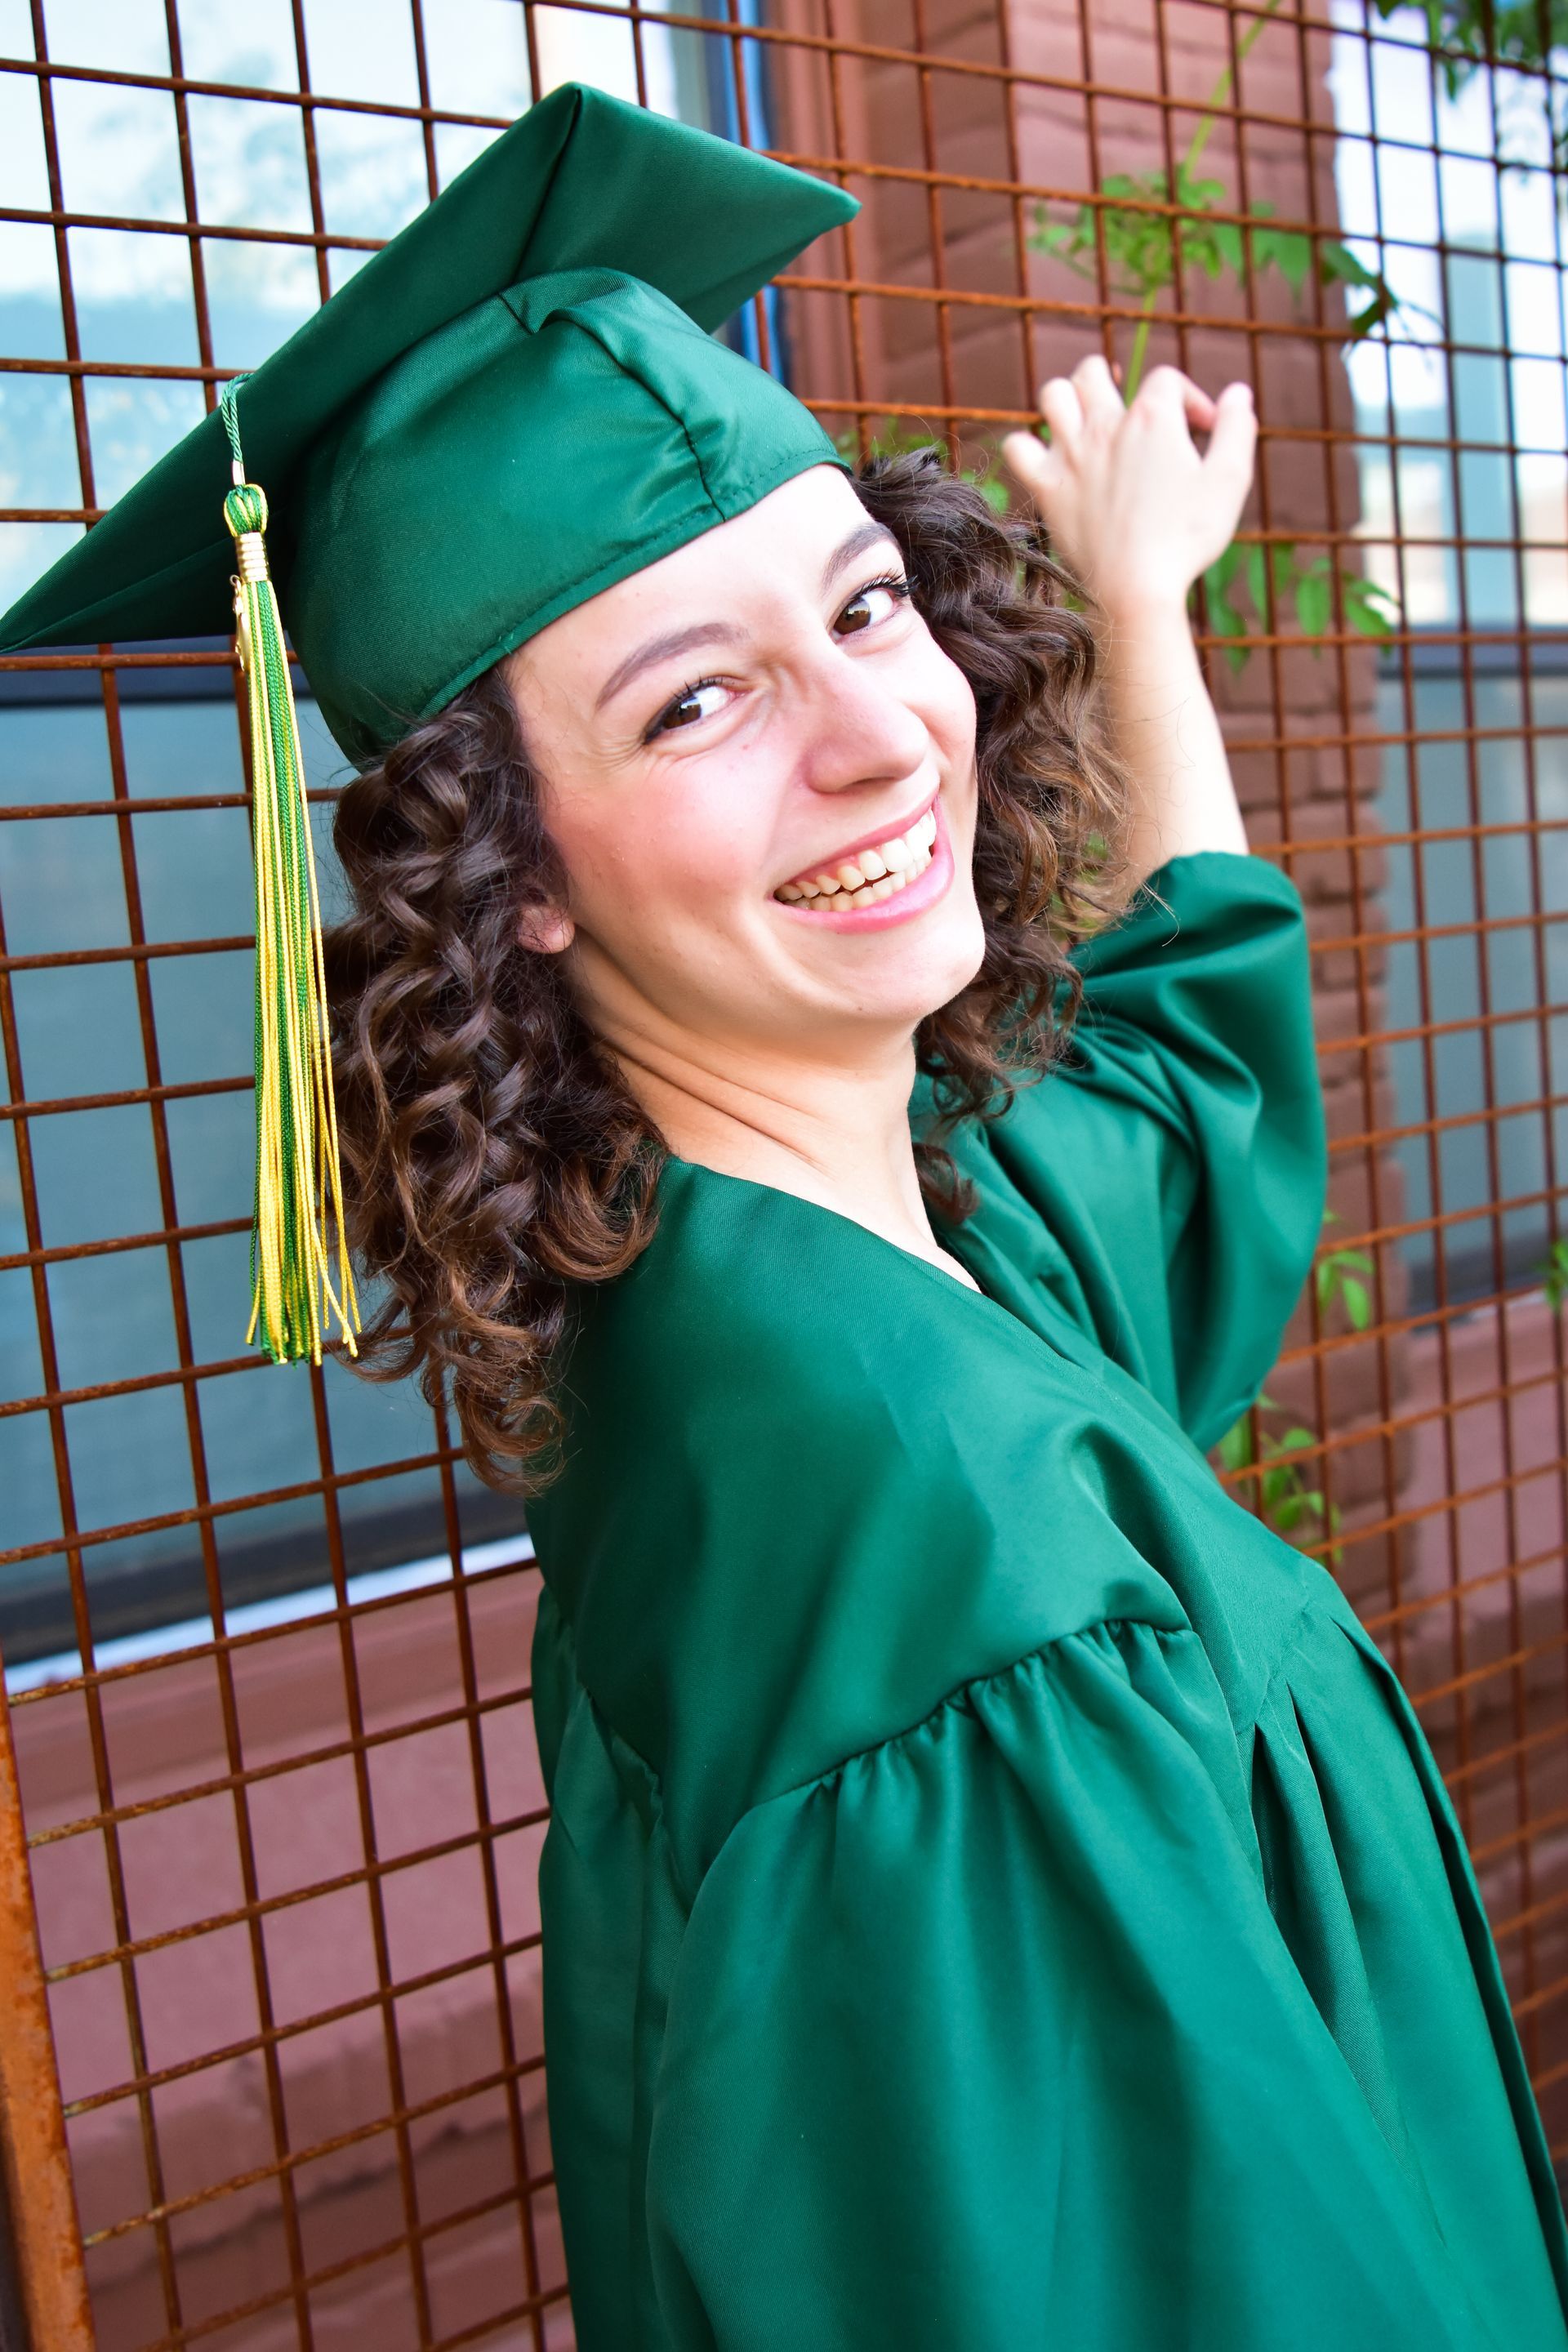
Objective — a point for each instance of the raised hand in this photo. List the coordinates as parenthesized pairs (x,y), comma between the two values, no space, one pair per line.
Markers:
(1134,510)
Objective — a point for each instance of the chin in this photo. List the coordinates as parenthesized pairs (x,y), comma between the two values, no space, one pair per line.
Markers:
(931,971)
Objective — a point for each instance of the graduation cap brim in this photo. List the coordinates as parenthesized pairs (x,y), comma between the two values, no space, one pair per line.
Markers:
(567,187)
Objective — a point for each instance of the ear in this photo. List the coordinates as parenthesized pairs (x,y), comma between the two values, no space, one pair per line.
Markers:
(545,928)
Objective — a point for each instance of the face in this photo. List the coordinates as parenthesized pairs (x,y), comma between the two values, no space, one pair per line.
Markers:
(758,769)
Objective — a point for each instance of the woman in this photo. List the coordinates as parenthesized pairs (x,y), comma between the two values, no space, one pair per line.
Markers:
(995,1894)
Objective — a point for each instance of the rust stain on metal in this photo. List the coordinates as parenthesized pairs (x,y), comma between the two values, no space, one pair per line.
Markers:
(39,2186)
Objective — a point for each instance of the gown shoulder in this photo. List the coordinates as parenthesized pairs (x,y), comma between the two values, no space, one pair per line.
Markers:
(1159,1191)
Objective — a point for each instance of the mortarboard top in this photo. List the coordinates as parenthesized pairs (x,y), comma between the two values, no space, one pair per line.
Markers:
(513,405)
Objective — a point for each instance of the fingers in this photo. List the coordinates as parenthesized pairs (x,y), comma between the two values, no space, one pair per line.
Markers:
(1233,441)
(1097,389)
(1034,466)
(1167,389)
(1063,412)
(1086,409)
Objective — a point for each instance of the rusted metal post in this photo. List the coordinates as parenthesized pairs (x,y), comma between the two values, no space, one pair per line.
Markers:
(51,2276)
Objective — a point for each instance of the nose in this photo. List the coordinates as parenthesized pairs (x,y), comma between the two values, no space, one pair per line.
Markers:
(857,730)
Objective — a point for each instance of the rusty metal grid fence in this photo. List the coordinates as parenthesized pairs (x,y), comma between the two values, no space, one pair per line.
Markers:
(270,1874)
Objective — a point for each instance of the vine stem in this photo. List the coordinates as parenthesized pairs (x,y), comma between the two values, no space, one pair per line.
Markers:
(1134,375)
(1202,132)
(1221,90)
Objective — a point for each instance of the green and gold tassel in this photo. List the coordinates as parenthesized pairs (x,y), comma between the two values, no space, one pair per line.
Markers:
(297,1286)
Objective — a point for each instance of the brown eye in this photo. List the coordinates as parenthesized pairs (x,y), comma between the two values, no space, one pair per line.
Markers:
(691,704)
(872,604)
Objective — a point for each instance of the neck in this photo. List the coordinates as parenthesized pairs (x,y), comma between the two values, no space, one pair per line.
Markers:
(838,1134)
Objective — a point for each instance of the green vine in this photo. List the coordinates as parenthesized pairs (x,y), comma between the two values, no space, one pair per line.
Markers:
(1146,226)
(1555,1275)
(1299,1513)
(1341,1279)
(1464,36)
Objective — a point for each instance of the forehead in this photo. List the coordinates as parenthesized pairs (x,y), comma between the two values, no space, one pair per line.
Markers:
(774,550)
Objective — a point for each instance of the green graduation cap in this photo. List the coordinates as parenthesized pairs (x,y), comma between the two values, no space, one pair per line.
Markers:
(518,402)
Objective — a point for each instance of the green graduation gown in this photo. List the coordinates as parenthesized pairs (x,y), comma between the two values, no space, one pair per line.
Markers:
(997,1900)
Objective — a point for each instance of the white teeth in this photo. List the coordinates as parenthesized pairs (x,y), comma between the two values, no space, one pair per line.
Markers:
(871,876)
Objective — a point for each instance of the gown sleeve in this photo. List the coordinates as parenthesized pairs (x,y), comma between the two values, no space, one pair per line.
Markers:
(1165,1185)
(987,2039)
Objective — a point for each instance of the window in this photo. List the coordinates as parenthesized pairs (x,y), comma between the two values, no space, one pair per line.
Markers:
(165,1411)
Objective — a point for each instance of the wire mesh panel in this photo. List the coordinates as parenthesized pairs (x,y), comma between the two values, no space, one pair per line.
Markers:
(265,1638)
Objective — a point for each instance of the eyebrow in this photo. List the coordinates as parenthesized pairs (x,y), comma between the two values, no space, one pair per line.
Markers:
(869,535)
(672,642)
(663,648)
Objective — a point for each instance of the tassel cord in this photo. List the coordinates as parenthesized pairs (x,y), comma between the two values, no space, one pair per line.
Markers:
(296,1289)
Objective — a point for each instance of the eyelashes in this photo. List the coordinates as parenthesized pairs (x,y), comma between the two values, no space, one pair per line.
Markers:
(666,721)
(894,584)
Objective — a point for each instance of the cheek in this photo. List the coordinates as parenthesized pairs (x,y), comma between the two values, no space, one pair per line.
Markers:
(945,702)
(639,860)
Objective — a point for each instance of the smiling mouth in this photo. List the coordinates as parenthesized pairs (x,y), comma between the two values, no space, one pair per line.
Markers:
(873,874)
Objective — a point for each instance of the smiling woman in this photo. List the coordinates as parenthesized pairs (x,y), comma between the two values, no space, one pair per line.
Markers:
(607,808)
(848,1144)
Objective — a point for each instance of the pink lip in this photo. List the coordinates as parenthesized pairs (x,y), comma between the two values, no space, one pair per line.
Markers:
(914,899)
(852,848)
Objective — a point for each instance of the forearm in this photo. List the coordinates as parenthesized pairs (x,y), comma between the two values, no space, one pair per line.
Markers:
(1164,731)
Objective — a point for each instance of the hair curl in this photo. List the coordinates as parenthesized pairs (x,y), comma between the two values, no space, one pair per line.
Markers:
(493,1154)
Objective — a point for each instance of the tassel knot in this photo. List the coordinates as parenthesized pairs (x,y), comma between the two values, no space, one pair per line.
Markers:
(296,1286)
(244,508)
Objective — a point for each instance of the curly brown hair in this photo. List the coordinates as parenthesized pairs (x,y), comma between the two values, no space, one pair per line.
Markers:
(494,1155)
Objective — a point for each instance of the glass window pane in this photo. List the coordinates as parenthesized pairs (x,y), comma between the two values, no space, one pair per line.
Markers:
(249,42)
(249,160)
(119,150)
(113,36)
(344,63)
(24,173)
(373,173)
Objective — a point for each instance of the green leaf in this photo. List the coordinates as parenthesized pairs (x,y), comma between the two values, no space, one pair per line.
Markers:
(1285,251)
(1556,1270)
(1369,608)
(1343,1275)
(1277,1491)
(1338,265)
(1255,566)
(1314,602)
(1235,1448)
